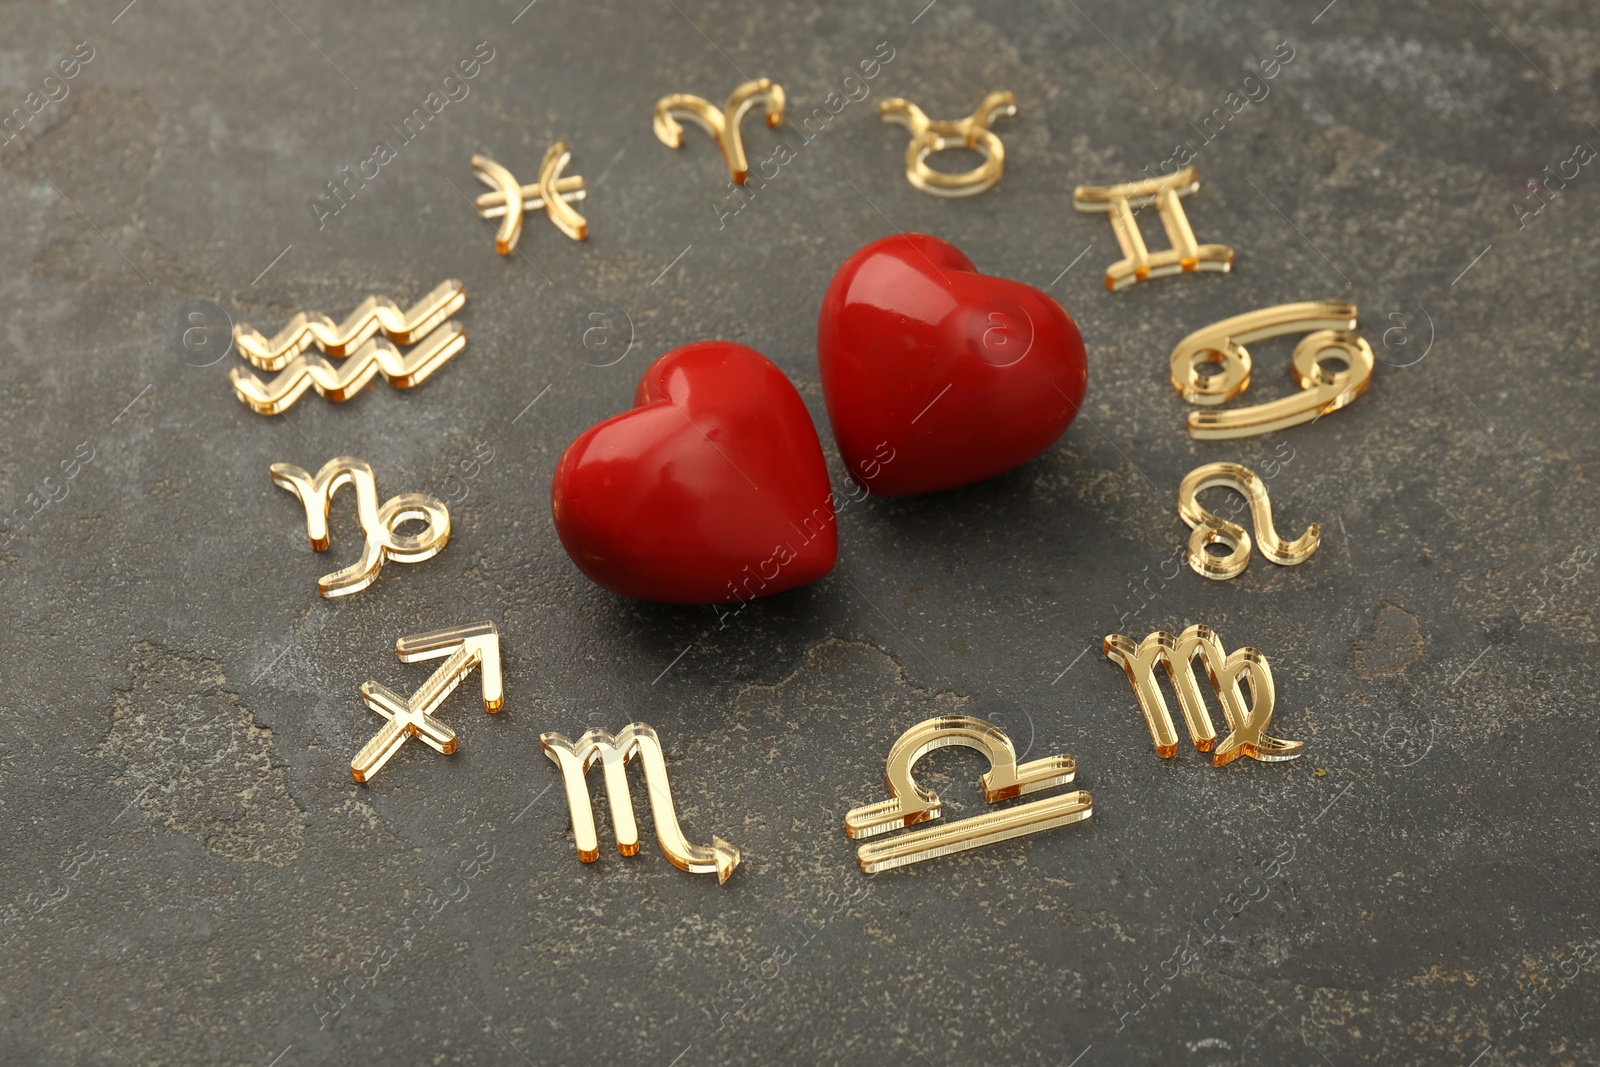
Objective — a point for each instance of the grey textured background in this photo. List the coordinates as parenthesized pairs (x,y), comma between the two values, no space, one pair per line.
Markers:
(190,873)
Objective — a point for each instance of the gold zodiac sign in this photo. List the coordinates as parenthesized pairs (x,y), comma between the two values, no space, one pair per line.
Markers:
(636,740)
(462,648)
(374,313)
(1247,726)
(928,137)
(1222,343)
(1209,529)
(509,200)
(723,126)
(910,803)
(378,523)
(339,382)
(1138,264)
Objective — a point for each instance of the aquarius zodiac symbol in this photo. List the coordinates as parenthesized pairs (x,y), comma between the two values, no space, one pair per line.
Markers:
(1209,529)
(379,524)
(636,740)
(337,339)
(928,137)
(341,382)
(462,648)
(1222,343)
(910,803)
(1138,264)
(723,126)
(1247,725)
(509,200)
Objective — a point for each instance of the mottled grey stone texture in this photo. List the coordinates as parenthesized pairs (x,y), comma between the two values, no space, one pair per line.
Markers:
(190,874)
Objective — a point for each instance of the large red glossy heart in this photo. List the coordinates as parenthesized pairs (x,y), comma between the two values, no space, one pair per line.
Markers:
(711,489)
(935,375)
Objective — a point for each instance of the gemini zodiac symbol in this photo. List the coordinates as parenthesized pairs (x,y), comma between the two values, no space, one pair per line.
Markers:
(1138,263)
(1247,724)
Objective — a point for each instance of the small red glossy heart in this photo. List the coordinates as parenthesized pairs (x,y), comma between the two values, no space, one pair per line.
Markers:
(935,375)
(712,489)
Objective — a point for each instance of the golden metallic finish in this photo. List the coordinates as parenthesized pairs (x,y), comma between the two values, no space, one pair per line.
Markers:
(723,126)
(338,382)
(462,648)
(1222,343)
(1209,529)
(1138,264)
(928,137)
(910,803)
(1247,725)
(374,313)
(636,740)
(378,523)
(509,200)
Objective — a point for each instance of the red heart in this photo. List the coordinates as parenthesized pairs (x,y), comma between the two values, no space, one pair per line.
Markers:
(712,489)
(936,375)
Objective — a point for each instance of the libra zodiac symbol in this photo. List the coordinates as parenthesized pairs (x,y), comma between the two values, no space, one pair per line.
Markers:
(910,803)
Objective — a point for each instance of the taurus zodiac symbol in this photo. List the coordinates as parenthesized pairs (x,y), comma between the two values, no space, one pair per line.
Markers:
(634,741)
(1138,264)
(462,648)
(340,338)
(928,137)
(1222,343)
(1209,529)
(510,201)
(1247,725)
(378,523)
(723,126)
(910,803)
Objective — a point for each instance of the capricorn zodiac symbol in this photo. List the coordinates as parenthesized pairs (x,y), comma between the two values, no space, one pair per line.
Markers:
(379,523)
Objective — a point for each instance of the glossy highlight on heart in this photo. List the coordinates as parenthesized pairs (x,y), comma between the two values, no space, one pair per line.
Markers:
(711,490)
(958,374)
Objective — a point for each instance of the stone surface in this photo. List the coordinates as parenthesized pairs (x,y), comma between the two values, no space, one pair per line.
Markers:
(191,876)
